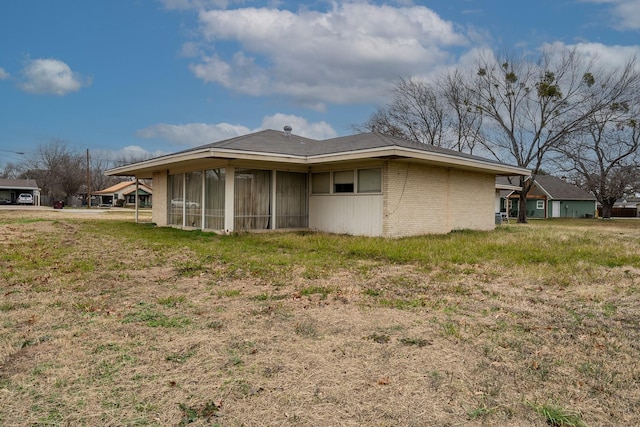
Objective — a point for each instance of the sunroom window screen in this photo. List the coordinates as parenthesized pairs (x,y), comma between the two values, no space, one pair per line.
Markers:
(369,181)
(175,187)
(193,199)
(214,199)
(291,200)
(252,199)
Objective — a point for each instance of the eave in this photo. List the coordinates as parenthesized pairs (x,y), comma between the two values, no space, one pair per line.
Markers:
(146,168)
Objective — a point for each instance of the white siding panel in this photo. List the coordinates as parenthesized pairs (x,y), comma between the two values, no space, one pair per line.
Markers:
(359,215)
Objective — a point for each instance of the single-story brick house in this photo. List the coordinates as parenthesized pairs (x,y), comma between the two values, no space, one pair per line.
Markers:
(553,197)
(124,192)
(367,184)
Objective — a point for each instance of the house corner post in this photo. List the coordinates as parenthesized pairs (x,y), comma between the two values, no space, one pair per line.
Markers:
(229,199)
(136,198)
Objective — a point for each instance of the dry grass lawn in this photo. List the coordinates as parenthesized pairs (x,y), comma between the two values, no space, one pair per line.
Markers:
(106,322)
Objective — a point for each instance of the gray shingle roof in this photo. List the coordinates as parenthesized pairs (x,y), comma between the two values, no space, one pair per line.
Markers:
(19,183)
(275,142)
(275,146)
(558,188)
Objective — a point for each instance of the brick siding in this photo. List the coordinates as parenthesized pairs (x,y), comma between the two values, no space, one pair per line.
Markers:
(422,199)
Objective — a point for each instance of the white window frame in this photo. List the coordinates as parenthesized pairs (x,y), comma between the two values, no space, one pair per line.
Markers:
(540,204)
(335,182)
(358,190)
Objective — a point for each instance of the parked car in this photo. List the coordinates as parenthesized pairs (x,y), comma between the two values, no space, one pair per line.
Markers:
(178,203)
(25,199)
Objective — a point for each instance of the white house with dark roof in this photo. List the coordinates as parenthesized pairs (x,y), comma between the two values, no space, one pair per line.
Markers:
(366,184)
(10,189)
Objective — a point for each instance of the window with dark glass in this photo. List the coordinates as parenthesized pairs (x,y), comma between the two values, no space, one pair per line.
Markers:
(343,181)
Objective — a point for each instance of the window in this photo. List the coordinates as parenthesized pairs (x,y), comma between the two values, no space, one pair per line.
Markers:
(291,200)
(321,183)
(252,204)
(193,199)
(214,199)
(175,191)
(540,204)
(343,181)
(369,180)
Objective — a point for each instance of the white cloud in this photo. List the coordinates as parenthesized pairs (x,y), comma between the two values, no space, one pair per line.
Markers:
(135,152)
(300,125)
(192,134)
(625,12)
(3,74)
(628,11)
(130,153)
(195,134)
(51,77)
(353,52)
(605,55)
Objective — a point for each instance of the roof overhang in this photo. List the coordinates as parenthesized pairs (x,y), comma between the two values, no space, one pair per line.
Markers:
(146,168)
(19,187)
(508,187)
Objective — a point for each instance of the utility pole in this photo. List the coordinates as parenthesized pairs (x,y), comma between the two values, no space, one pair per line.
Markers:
(88,182)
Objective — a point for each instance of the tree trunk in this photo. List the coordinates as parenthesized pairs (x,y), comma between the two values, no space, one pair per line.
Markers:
(607,208)
(522,207)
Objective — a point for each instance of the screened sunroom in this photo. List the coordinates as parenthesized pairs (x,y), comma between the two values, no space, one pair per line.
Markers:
(262,199)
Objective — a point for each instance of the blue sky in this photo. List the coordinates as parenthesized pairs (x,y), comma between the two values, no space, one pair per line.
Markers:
(130,78)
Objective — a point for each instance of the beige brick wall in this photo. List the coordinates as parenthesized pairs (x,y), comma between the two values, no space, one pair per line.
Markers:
(159,209)
(472,200)
(422,199)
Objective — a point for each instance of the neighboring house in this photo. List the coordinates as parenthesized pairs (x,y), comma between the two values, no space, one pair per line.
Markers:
(505,186)
(627,207)
(124,193)
(366,184)
(10,190)
(552,197)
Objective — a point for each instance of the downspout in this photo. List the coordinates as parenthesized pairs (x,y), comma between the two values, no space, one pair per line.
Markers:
(546,207)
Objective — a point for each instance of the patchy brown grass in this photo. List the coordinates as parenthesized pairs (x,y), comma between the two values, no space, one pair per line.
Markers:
(101,326)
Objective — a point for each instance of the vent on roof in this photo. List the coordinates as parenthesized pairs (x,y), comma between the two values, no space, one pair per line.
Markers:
(287,131)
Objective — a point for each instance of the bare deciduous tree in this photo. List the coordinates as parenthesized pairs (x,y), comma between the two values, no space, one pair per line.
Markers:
(605,157)
(438,114)
(11,170)
(58,170)
(519,109)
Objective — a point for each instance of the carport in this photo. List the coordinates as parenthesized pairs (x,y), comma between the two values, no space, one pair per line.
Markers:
(10,189)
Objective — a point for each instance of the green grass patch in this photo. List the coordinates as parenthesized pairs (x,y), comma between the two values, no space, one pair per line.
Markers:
(558,416)
(323,291)
(152,318)
(172,300)
(192,414)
